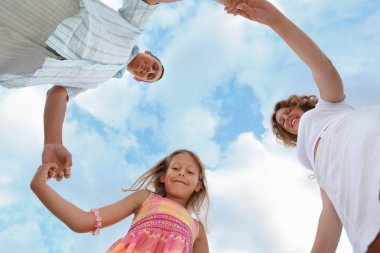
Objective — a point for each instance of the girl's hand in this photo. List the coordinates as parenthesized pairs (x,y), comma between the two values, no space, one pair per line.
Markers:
(45,172)
(260,11)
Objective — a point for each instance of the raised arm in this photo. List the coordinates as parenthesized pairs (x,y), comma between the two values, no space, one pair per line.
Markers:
(75,218)
(329,228)
(324,73)
(54,114)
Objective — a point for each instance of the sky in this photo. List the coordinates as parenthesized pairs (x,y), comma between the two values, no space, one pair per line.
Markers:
(223,74)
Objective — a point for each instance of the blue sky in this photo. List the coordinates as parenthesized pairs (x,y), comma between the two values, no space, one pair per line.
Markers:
(223,75)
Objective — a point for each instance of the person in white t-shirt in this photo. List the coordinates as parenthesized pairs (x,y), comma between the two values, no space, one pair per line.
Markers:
(339,143)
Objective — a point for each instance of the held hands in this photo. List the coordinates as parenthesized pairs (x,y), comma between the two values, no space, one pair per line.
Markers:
(260,11)
(44,173)
(57,154)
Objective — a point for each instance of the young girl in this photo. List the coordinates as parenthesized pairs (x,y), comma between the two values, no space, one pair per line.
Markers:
(340,144)
(162,219)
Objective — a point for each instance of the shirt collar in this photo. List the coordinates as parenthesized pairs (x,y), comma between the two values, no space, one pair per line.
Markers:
(134,52)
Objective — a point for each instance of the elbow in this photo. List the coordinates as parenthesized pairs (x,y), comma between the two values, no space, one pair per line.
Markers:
(32,185)
(58,91)
(79,228)
(82,224)
(329,67)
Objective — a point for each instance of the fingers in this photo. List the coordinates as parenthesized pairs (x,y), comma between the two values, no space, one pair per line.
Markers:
(237,8)
(50,169)
(67,172)
(49,166)
(243,9)
(57,153)
(231,4)
(59,176)
(68,164)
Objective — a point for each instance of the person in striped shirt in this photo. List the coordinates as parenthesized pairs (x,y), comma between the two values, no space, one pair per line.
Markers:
(76,45)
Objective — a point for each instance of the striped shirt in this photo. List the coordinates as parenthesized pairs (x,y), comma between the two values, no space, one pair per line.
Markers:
(97,44)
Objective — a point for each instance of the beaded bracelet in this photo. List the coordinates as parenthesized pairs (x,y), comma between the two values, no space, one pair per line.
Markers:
(98,221)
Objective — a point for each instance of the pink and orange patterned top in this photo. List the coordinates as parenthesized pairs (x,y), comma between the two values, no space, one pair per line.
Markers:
(161,225)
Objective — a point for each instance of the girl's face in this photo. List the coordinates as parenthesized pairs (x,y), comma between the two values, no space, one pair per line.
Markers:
(181,178)
(289,118)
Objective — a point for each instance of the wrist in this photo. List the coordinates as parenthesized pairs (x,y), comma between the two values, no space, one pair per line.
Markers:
(36,185)
(52,144)
(54,138)
(53,141)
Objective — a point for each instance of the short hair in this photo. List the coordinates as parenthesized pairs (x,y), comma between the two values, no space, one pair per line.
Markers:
(305,103)
(163,69)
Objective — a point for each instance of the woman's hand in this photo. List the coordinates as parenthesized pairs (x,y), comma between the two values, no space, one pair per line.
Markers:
(230,5)
(260,11)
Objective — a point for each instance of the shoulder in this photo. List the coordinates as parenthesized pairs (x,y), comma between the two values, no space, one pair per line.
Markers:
(141,195)
(137,198)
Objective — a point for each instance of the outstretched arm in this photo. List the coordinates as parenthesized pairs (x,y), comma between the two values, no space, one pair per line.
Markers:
(54,114)
(324,73)
(329,228)
(75,218)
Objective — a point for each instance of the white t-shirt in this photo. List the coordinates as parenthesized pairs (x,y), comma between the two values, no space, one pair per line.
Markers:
(312,125)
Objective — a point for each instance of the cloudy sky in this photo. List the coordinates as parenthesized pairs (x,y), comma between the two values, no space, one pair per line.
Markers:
(223,75)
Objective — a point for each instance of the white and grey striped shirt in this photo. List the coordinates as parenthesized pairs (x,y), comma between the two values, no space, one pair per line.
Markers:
(97,43)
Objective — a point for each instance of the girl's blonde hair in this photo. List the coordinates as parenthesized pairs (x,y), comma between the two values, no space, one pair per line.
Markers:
(198,202)
(305,103)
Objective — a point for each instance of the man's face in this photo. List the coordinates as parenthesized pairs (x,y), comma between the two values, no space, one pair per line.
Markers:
(145,67)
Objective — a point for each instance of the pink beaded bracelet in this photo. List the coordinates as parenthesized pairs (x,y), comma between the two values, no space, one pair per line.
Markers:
(98,221)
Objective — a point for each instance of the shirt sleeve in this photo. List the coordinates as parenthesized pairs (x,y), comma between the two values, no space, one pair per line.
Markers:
(322,102)
(73,91)
(136,12)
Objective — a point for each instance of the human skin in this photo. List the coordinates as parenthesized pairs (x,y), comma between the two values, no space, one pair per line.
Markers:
(181,179)
(327,80)
(54,150)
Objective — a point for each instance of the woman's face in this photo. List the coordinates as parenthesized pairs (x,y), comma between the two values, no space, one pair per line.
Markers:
(289,119)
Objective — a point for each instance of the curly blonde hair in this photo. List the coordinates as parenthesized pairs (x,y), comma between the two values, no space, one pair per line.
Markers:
(198,202)
(305,103)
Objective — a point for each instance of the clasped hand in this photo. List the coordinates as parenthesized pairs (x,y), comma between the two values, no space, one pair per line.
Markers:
(260,11)
(59,155)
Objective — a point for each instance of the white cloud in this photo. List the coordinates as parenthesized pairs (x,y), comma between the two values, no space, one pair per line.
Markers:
(16,108)
(112,103)
(171,15)
(263,196)
(22,238)
(193,128)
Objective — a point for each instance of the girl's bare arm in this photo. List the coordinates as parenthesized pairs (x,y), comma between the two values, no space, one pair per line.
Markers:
(75,218)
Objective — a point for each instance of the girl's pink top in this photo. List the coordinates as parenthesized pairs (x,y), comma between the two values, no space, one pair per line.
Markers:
(160,225)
